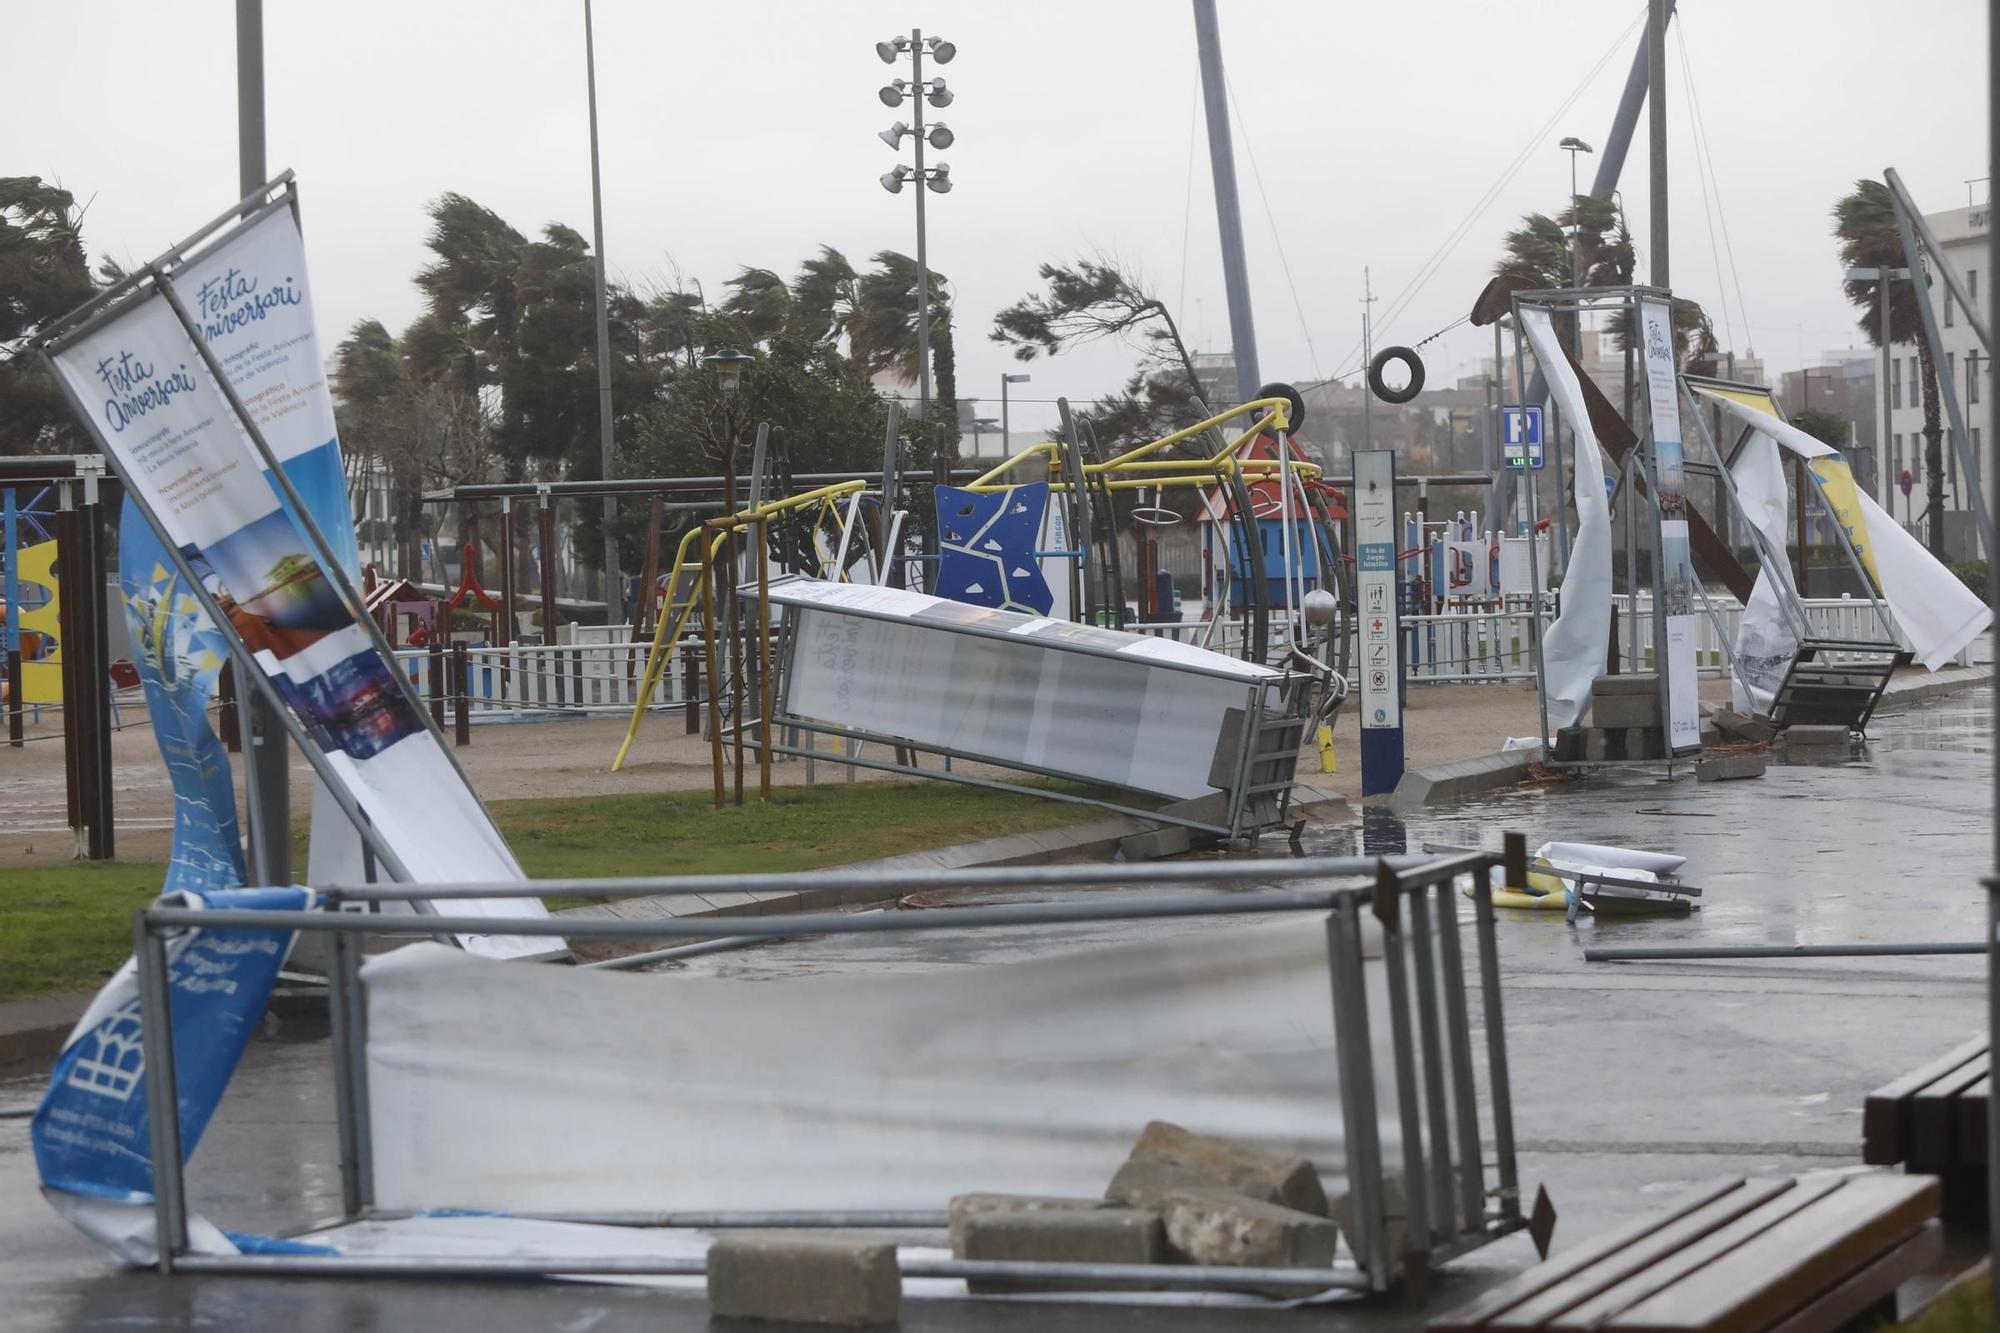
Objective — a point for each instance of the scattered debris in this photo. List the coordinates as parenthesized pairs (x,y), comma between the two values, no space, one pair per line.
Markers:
(1729,767)
(1203,1159)
(806,1277)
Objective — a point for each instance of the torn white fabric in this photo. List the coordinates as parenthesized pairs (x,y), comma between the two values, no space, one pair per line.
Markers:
(1936,614)
(1766,641)
(546,1089)
(1573,647)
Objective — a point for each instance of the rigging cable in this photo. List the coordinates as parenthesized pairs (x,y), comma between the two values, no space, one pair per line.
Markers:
(1435,262)
(1271,218)
(1728,244)
(1703,178)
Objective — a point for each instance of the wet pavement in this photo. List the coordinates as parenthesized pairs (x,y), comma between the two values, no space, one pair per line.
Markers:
(1630,1080)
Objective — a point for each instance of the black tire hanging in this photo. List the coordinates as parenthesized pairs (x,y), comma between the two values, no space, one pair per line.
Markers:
(1409,358)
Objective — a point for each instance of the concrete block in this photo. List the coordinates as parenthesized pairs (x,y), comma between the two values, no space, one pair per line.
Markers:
(1743,726)
(805,1277)
(1154,844)
(1630,682)
(1243,1167)
(1801,737)
(1099,1235)
(1569,744)
(1728,767)
(1618,712)
(1597,745)
(1151,1184)
(965,1206)
(1643,743)
(1221,1228)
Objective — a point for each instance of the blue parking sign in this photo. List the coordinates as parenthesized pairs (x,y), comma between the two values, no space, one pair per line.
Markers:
(1521,436)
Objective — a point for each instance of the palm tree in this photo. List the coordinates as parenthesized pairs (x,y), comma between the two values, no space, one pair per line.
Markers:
(883,326)
(1538,251)
(825,295)
(1865,224)
(760,298)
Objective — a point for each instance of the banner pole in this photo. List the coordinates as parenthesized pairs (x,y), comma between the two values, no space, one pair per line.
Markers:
(246,662)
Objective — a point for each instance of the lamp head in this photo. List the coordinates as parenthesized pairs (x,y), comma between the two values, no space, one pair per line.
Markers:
(892,48)
(893,136)
(939,96)
(728,365)
(893,94)
(892,181)
(941,50)
(940,178)
(1576,145)
(941,137)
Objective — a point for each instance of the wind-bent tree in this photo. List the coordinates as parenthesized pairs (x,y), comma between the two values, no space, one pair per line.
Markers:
(882,332)
(43,273)
(1864,222)
(1538,251)
(1086,301)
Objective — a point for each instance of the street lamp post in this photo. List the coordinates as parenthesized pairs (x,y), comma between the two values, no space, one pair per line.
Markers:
(1006,432)
(1573,145)
(917,91)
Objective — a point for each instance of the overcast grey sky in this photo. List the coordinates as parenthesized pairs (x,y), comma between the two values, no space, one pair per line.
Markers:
(744,133)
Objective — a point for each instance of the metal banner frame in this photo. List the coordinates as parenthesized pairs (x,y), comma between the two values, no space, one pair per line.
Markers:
(143,284)
(1435,1075)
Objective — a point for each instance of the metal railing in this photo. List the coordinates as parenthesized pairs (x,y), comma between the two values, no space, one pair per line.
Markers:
(1456,1198)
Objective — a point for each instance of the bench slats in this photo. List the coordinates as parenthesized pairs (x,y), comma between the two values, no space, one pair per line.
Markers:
(1972,1112)
(1651,1281)
(1884,1122)
(1568,1301)
(1787,1267)
(1475,1313)
(1932,1120)
(1853,1297)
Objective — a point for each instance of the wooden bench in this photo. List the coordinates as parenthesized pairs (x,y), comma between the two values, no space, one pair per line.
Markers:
(1932,1121)
(1785,1255)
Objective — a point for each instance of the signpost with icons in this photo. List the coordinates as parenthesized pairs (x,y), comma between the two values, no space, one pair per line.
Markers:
(1374,502)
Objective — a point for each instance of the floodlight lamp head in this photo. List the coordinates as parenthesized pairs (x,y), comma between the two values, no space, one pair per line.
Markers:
(892,181)
(728,365)
(941,137)
(893,94)
(892,48)
(893,136)
(940,178)
(941,50)
(940,96)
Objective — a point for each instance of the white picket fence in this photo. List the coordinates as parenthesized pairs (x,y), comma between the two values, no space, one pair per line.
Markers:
(526,680)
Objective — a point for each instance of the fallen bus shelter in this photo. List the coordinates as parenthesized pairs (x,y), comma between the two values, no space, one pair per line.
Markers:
(1386,986)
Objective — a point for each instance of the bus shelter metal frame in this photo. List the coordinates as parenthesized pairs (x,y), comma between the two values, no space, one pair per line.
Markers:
(1454,1203)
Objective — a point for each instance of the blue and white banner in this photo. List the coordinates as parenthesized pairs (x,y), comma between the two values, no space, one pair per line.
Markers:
(184,455)
(180,654)
(92,1133)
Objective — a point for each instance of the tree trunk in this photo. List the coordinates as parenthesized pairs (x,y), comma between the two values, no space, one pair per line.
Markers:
(1933,453)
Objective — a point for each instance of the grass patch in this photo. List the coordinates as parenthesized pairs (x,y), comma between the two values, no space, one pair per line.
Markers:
(1966,1308)
(62,928)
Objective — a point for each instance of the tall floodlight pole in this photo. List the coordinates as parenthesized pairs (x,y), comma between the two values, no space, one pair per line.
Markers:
(1656,138)
(614,592)
(1228,214)
(267,785)
(1367,358)
(917,91)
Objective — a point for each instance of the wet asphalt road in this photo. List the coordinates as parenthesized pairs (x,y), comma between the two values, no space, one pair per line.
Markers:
(1630,1080)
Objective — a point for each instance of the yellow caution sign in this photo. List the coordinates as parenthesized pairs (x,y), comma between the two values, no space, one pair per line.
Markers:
(1324,736)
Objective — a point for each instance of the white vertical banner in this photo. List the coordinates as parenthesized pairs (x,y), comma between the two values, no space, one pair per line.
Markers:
(178,444)
(1683,702)
(252,303)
